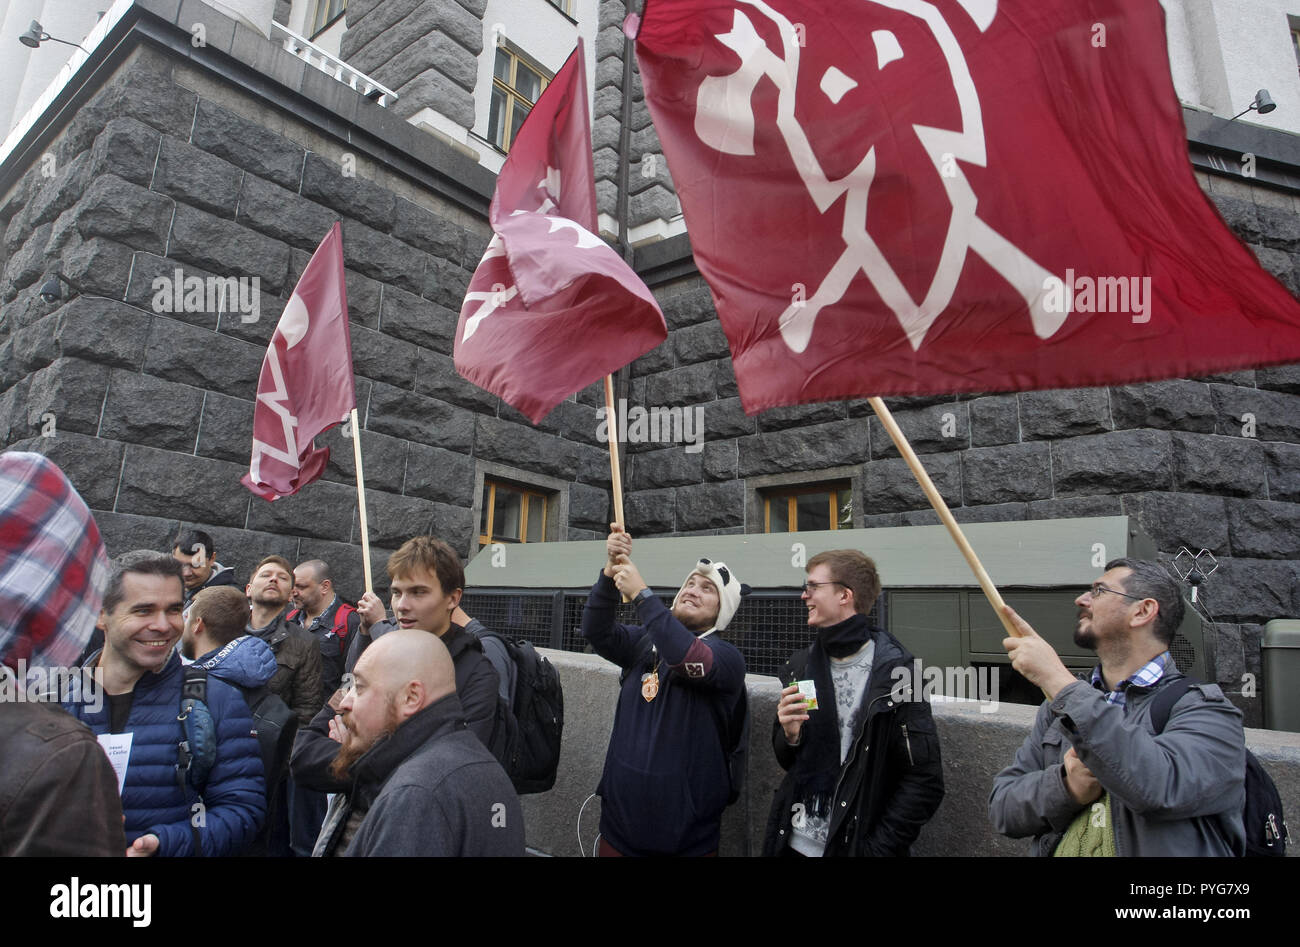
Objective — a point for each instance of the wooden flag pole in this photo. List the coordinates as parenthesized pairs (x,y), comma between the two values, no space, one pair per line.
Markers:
(945,515)
(616,479)
(361,500)
(611,423)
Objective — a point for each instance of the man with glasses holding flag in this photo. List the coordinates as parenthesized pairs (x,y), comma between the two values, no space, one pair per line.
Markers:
(1096,776)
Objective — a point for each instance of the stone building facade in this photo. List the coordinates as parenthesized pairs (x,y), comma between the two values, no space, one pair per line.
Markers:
(234,158)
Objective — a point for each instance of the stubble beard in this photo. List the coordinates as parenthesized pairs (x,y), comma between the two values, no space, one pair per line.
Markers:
(692,623)
(1084,638)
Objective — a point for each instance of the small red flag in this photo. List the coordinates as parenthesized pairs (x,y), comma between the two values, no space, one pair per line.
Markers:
(306,386)
(911,197)
(551,307)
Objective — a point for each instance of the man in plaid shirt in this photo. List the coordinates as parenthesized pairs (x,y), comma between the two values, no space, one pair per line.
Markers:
(1093,778)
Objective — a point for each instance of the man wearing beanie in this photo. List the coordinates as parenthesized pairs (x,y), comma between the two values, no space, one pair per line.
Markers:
(862,768)
(681,707)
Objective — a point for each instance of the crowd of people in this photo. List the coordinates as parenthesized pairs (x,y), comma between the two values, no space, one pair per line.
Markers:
(206,718)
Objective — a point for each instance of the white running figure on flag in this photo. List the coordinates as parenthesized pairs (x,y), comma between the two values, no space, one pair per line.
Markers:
(292,327)
(724,120)
(495,298)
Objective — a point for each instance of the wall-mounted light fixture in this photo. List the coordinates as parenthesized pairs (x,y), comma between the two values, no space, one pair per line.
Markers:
(1263,104)
(36,35)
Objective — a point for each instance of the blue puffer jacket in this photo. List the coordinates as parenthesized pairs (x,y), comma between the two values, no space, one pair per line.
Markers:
(234,798)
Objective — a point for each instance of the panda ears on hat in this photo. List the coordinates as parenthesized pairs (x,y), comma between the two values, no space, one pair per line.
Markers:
(725,573)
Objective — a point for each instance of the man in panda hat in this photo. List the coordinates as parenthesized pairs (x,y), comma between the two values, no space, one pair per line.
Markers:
(681,707)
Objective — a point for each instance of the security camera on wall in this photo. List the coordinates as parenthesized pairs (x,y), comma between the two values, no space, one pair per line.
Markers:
(51,292)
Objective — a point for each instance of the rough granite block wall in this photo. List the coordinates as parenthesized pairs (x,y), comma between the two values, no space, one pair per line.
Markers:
(150,412)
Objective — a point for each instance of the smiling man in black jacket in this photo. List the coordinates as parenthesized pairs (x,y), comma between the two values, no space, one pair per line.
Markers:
(863,773)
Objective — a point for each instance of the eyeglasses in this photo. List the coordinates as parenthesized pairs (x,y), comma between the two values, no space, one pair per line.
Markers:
(1098,588)
(811,587)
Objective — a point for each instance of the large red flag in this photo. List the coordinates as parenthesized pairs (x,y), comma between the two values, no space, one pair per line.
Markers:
(551,307)
(911,197)
(306,386)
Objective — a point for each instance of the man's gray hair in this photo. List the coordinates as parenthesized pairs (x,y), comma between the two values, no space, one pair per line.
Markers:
(141,562)
(1149,579)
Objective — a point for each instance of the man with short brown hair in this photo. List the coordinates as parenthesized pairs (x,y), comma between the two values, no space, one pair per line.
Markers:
(297,682)
(215,617)
(426,579)
(297,678)
(863,773)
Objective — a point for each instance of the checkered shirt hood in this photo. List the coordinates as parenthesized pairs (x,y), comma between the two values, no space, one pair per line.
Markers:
(53,567)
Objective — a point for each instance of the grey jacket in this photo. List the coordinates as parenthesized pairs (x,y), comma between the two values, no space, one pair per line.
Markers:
(430,789)
(1179,793)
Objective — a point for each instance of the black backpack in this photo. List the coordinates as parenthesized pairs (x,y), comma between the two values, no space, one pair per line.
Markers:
(733,728)
(527,729)
(274,725)
(1266,832)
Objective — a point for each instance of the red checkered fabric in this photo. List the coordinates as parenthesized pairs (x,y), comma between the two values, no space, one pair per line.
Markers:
(53,567)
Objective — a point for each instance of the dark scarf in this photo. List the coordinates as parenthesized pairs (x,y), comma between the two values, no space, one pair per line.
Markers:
(817,766)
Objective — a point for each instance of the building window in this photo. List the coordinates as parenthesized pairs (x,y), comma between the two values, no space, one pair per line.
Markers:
(808,507)
(1295,44)
(564,6)
(327,11)
(512,514)
(516,84)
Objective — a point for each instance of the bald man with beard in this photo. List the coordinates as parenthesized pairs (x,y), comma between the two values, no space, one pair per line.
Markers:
(420,782)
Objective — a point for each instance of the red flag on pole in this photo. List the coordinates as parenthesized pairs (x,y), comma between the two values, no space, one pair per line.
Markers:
(911,197)
(306,386)
(551,307)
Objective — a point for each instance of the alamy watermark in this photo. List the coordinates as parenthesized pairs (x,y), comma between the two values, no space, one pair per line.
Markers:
(1127,294)
(657,425)
(83,900)
(919,682)
(50,685)
(181,293)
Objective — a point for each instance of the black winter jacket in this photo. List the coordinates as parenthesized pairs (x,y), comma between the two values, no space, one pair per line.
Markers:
(476,689)
(891,782)
(297,679)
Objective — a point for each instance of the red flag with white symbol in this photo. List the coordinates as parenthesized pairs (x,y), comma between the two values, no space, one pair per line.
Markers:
(306,386)
(551,307)
(912,197)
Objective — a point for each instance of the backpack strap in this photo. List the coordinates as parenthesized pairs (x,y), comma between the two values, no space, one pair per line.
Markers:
(194,690)
(1163,703)
(346,621)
